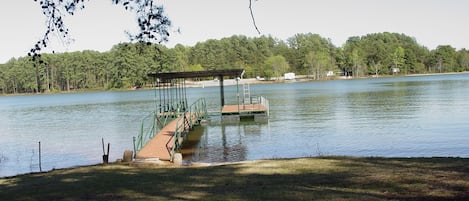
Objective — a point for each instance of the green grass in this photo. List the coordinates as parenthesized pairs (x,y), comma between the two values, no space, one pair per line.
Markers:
(325,178)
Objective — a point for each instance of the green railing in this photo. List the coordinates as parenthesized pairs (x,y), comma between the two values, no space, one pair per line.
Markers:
(197,111)
(156,121)
(148,128)
(151,125)
(255,103)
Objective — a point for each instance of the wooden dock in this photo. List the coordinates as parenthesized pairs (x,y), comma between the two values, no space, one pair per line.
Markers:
(246,109)
(169,139)
(234,113)
(161,145)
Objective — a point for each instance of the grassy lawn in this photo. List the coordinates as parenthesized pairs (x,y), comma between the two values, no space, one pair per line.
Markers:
(325,178)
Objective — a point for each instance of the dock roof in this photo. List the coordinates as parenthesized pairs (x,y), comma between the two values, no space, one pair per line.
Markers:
(198,74)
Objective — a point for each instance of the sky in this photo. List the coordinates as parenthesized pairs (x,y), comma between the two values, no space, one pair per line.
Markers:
(102,25)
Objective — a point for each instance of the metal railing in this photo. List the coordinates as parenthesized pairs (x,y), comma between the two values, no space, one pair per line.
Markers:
(197,111)
(146,132)
(151,125)
(265,102)
(255,103)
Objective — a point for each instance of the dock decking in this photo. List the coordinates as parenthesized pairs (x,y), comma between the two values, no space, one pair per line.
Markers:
(161,144)
(246,109)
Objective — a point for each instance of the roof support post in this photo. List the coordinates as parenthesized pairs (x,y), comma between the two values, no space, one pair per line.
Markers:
(222,91)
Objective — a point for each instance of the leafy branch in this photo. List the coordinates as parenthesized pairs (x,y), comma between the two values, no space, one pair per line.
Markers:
(153,23)
(55,11)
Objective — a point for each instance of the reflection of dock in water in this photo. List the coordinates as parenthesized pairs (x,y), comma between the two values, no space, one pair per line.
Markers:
(221,141)
(192,142)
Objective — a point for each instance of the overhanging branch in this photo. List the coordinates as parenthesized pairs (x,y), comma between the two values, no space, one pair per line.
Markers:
(252,16)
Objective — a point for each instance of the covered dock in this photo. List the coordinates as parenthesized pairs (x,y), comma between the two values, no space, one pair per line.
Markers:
(165,130)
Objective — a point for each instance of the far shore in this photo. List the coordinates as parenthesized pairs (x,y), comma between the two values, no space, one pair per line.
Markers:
(231,82)
(431,74)
(300,78)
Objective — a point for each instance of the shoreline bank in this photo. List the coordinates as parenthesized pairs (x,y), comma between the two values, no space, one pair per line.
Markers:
(230,82)
(319,178)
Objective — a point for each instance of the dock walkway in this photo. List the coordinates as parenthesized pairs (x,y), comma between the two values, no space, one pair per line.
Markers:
(162,144)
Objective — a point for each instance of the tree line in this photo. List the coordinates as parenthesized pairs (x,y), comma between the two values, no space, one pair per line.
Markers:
(126,65)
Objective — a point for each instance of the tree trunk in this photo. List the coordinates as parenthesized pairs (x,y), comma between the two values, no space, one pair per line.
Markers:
(47,80)
(68,85)
(38,79)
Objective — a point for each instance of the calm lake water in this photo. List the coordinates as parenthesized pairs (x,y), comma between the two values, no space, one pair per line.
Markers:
(392,117)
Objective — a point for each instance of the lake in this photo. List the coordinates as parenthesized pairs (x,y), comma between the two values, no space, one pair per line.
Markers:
(421,116)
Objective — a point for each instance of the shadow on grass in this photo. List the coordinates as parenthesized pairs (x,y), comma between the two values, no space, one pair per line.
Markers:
(330,178)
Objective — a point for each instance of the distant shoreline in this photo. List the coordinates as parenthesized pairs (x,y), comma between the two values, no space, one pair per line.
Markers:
(303,78)
(432,74)
(231,82)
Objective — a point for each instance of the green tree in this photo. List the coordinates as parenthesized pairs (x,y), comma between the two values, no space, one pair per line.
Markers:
(463,58)
(195,67)
(398,58)
(211,54)
(179,56)
(302,44)
(443,59)
(264,47)
(318,63)
(275,66)
(357,63)
(381,48)
(3,85)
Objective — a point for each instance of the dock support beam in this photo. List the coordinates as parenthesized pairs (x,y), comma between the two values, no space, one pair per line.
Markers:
(222,91)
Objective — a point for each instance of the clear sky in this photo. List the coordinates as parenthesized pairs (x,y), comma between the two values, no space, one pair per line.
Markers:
(102,25)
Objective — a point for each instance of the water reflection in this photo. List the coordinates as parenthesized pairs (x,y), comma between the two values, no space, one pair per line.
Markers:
(388,105)
(221,142)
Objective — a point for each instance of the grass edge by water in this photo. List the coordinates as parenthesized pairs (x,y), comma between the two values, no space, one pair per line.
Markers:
(319,178)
